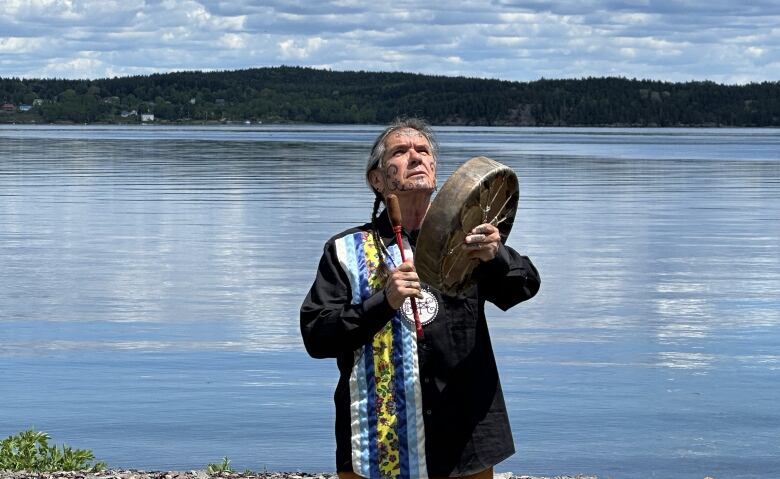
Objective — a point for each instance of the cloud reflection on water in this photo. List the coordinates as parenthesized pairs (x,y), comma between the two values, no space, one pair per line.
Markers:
(178,252)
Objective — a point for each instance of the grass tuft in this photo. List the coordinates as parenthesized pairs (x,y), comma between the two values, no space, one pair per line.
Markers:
(30,451)
(224,466)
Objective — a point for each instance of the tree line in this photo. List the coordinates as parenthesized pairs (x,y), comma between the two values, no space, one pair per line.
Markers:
(298,94)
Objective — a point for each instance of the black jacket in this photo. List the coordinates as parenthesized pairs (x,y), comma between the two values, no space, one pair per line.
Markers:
(466,424)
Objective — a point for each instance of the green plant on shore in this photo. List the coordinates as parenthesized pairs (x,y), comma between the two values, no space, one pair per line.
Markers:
(224,466)
(30,451)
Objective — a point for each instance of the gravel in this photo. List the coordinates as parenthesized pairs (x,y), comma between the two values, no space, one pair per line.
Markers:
(135,474)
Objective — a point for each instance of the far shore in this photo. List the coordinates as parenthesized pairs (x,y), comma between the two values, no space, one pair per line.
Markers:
(22,122)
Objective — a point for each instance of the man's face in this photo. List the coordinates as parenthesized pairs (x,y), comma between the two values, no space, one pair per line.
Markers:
(408,164)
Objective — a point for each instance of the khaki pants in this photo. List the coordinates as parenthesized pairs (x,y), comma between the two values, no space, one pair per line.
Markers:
(486,474)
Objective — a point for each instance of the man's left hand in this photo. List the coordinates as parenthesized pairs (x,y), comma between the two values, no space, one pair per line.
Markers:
(482,242)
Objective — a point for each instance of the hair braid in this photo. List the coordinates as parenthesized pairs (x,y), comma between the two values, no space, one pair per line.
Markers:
(383,271)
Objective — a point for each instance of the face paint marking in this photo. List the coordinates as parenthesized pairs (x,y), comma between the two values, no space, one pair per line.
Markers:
(408,164)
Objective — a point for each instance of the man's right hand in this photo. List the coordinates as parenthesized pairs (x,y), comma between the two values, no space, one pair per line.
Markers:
(403,283)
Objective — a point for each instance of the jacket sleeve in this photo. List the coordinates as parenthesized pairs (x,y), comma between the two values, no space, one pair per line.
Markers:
(330,324)
(507,279)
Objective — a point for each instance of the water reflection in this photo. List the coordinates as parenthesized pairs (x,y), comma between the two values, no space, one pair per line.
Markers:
(180,224)
(659,252)
(685,360)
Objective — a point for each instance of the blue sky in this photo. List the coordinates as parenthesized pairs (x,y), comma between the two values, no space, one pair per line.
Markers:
(718,40)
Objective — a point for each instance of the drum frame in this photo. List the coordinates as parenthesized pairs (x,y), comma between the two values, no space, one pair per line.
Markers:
(479,191)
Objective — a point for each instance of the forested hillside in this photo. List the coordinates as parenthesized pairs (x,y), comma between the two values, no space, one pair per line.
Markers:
(294,94)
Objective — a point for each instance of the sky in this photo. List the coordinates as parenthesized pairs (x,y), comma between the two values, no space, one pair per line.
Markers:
(520,40)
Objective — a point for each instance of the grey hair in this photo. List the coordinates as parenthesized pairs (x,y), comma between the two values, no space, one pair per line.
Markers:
(379,148)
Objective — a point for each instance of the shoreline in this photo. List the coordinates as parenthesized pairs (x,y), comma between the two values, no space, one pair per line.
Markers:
(200,474)
(631,126)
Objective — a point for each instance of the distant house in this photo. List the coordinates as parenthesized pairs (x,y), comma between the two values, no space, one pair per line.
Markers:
(8,107)
(147,117)
(38,102)
(25,107)
(127,114)
(111,100)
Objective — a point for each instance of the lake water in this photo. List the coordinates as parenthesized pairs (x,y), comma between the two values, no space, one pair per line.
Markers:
(150,280)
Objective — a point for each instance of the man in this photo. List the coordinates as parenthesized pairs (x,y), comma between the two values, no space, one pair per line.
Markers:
(404,408)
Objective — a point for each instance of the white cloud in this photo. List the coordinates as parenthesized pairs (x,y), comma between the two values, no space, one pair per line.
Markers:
(633,19)
(300,50)
(516,40)
(19,45)
(233,41)
(74,68)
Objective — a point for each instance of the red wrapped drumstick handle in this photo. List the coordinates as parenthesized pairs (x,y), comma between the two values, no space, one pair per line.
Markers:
(395,218)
